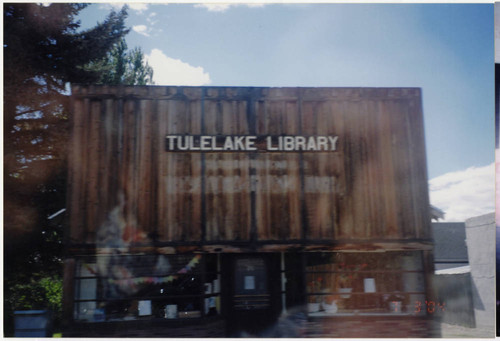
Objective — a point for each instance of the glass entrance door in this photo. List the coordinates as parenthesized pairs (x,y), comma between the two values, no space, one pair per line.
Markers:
(253,296)
(251,287)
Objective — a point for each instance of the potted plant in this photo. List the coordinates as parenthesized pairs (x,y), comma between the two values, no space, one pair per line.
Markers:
(395,302)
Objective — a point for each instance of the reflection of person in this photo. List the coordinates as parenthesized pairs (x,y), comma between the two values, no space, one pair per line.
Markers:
(121,272)
(289,325)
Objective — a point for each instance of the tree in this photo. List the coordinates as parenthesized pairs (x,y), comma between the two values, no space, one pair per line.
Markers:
(122,66)
(33,264)
(43,52)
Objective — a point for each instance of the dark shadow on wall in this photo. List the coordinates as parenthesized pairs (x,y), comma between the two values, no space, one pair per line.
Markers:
(457,291)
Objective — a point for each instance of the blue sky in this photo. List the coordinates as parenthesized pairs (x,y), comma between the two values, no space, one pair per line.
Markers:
(446,49)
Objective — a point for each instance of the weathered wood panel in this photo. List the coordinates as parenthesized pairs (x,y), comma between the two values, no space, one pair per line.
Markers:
(227,176)
(277,175)
(321,172)
(183,176)
(373,186)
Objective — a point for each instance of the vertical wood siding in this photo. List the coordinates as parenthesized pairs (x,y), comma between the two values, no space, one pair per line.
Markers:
(373,187)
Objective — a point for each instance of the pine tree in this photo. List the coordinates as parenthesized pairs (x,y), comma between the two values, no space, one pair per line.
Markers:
(123,66)
(44,51)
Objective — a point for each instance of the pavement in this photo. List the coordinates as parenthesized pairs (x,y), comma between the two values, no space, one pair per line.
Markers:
(454,331)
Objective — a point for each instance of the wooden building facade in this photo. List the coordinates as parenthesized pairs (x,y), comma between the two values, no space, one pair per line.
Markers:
(225,207)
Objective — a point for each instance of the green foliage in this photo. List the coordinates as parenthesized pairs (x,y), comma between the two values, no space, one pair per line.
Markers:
(52,290)
(123,66)
(44,50)
(140,72)
(38,293)
(41,292)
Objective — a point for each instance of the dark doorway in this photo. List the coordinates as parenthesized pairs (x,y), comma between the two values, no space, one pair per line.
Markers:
(251,292)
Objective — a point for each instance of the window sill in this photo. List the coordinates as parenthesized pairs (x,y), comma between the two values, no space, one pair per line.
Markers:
(325,314)
(152,319)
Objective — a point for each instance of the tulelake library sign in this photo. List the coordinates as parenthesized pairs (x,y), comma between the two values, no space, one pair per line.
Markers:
(228,211)
(251,143)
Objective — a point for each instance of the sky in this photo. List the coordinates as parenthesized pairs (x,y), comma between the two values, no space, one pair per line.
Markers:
(445,49)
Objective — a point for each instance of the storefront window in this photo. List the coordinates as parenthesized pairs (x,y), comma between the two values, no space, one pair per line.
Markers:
(375,282)
(126,287)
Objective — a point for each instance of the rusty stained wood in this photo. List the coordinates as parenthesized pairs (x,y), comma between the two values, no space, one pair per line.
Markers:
(182,191)
(75,178)
(227,176)
(322,192)
(277,178)
(373,186)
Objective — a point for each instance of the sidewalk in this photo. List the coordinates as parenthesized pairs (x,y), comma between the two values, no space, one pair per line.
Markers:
(454,331)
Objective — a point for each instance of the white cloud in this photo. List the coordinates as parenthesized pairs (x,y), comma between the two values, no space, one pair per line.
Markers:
(464,194)
(152,22)
(114,5)
(137,6)
(214,7)
(150,18)
(170,71)
(141,29)
(217,7)
(255,4)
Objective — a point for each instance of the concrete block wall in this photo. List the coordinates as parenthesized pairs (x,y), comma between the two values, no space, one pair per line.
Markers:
(480,238)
